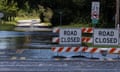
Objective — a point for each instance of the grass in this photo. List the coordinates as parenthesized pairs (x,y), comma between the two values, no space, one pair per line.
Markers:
(75,25)
(10,25)
(25,18)
(7,26)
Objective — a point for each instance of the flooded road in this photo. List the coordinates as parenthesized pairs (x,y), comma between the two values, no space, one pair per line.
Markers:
(31,52)
(11,42)
(11,39)
(34,45)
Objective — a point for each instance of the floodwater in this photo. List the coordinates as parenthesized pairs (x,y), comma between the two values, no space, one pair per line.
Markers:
(12,41)
(35,45)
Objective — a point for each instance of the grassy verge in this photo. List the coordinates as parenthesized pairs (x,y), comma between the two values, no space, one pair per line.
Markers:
(25,18)
(7,26)
(75,25)
(10,25)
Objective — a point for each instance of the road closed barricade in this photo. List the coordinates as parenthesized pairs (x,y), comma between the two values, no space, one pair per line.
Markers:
(84,39)
(100,37)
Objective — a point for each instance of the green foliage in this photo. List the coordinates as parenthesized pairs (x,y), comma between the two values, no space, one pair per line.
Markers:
(47,15)
(79,2)
(7,26)
(3,5)
(73,11)
(26,7)
(8,7)
(73,25)
(12,7)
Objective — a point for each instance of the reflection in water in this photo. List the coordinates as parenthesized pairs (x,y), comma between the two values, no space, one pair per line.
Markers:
(6,43)
(16,40)
(11,40)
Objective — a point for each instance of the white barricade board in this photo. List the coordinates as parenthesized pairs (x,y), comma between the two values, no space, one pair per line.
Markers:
(70,36)
(106,37)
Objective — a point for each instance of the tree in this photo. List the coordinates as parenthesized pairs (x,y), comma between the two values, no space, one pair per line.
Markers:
(108,13)
(73,11)
(9,8)
(3,5)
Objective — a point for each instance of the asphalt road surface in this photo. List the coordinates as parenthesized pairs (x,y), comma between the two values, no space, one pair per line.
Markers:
(52,65)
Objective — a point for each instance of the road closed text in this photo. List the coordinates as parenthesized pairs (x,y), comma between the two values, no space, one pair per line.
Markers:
(70,36)
(106,40)
(70,39)
(106,37)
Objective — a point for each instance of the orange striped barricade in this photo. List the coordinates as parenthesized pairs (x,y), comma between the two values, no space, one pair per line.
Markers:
(84,30)
(90,50)
(78,50)
(113,50)
(69,37)
(62,49)
(84,39)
